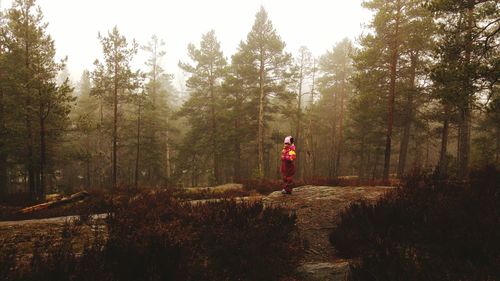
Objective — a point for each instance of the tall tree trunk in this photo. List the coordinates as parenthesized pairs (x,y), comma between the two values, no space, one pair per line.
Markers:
(464,142)
(89,176)
(100,158)
(260,134)
(418,157)
(138,148)
(361,169)
(29,150)
(237,149)
(41,191)
(214,130)
(427,150)
(156,168)
(88,182)
(442,164)
(299,127)
(307,149)
(311,123)
(30,165)
(465,110)
(167,143)
(392,90)
(408,117)
(3,149)
(115,123)
(340,142)
(374,171)
(3,138)
(193,170)
(497,150)
(332,154)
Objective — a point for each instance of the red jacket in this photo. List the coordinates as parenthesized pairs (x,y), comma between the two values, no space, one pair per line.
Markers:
(288,155)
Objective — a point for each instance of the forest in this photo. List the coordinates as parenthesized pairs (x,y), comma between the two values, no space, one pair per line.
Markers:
(417,92)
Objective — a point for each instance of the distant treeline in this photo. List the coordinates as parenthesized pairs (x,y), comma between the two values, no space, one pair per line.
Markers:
(419,87)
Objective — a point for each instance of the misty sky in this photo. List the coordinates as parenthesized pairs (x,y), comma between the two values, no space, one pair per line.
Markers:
(74,25)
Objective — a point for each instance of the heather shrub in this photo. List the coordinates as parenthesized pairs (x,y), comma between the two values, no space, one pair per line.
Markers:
(245,241)
(156,237)
(7,263)
(212,241)
(428,230)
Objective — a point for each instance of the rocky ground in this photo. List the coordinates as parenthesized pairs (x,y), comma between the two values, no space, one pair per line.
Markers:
(317,208)
(24,236)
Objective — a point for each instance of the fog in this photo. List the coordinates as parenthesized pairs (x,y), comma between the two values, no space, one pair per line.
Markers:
(74,25)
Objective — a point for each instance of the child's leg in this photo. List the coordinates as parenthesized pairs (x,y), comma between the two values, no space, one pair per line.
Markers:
(288,184)
(284,182)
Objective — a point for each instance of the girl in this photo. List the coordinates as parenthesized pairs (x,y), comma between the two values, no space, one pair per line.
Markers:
(288,155)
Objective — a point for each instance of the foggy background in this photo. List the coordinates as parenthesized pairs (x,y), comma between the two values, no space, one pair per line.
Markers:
(74,25)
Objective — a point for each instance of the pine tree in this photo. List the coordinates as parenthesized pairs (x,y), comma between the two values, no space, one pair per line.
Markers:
(115,80)
(387,24)
(310,130)
(367,108)
(467,59)
(336,69)
(3,97)
(205,94)
(157,111)
(264,72)
(86,117)
(33,73)
(395,54)
(304,67)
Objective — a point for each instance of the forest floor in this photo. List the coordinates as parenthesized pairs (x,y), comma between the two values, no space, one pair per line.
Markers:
(318,210)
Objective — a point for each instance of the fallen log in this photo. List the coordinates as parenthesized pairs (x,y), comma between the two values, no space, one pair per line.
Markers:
(64,200)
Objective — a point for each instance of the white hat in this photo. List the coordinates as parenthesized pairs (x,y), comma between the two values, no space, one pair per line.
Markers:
(288,140)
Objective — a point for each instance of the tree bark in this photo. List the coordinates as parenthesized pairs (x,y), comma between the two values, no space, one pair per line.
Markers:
(3,149)
(312,147)
(361,169)
(465,110)
(88,182)
(29,130)
(3,139)
(464,142)
(115,122)
(237,149)
(214,129)
(408,118)
(442,164)
(307,149)
(340,142)
(497,150)
(100,159)
(299,128)
(332,152)
(138,148)
(42,152)
(260,134)
(167,143)
(392,90)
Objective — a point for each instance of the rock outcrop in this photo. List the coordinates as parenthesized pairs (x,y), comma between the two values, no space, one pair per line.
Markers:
(27,235)
(318,210)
